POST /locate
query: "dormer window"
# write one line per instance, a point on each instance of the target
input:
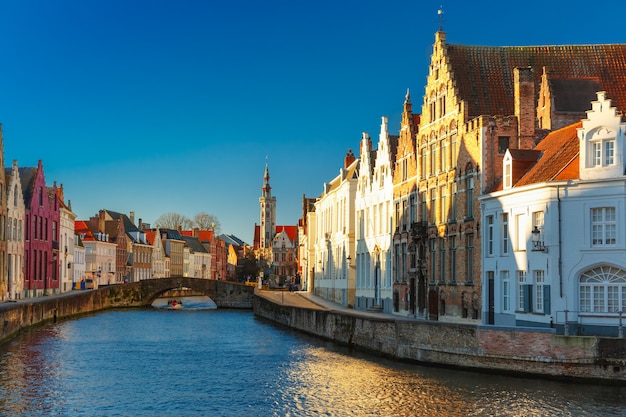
(507, 167)
(602, 152)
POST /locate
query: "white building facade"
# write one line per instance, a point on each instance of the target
(334, 279)
(555, 237)
(373, 204)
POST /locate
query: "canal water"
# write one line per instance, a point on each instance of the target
(160, 362)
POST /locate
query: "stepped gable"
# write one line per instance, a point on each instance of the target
(27, 178)
(484, 74)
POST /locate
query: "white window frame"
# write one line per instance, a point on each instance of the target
(602, 152)
(602, 290)
(539, 278)
(490, 236)
(505, 233)
(521, 283)
(603, 226)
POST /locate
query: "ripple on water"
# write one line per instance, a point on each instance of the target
(227, 363)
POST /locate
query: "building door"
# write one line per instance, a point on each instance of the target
(433, 305)
(412, 296)
(421, 294)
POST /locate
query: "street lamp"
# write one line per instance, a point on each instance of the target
(538, 244)
(349, 259)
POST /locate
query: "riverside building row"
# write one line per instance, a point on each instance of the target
(45, 249)
(502, 202)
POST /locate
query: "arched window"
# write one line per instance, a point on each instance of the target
(603, 290)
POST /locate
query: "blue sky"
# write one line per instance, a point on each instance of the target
(173, 106)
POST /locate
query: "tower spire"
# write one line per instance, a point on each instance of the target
(267, 211)
(266, 178)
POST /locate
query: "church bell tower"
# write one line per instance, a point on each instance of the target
(268, 212)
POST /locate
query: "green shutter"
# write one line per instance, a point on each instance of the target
(528, 295)
(546, 299)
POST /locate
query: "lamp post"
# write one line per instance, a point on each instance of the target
(538, 244)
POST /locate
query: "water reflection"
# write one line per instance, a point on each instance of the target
(228, 363)
(187, 303)
(332, 378)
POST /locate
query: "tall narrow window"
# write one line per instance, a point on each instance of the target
(443, 196)
(433, 206)
(442, 106)
(433, 158)
(506, 291)
(396, 275)
(505, 233)
(469, 193)
(539, 291)
(453, 153)
(522, 291)
(597, 154)
(452, 259)
(442, 260)
(609, 152)
(405, 169)
(507, 175)
(424, 213)
(412, 207)
(603, 226)
(433, 259)
(397, 217)
(489, 235)
(453, 195)
(442, 153)
(445, 151)
(469, 249)
(403, 272)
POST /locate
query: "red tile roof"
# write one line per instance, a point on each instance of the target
(81, 227)
(150, 234)
(484, 74)
(559, 157)
(292, 232)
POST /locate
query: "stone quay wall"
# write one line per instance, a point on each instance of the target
(16, 316)
(482, 348)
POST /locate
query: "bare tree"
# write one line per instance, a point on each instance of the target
(205, 221)
(173, 220)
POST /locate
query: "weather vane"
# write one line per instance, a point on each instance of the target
(440, 13)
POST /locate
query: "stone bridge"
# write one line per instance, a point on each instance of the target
(28, 312)
(224, 293)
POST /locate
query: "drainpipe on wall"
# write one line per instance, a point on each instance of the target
(558, 213)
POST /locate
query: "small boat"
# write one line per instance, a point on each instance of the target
(175, 304)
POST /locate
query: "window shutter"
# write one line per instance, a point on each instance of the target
(546, 299)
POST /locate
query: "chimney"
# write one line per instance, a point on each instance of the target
(349, 159)
(101, 221)
(525, 106)
(132, 217)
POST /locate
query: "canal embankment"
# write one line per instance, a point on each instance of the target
(19, 315)
(523, 351)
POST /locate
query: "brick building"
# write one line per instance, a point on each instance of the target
(41, 233)
(479, 102)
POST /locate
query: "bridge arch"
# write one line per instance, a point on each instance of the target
(224, 293)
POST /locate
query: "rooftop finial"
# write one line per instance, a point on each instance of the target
(440, 13)
(408, 95)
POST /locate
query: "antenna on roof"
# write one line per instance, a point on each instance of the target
(440, 13)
